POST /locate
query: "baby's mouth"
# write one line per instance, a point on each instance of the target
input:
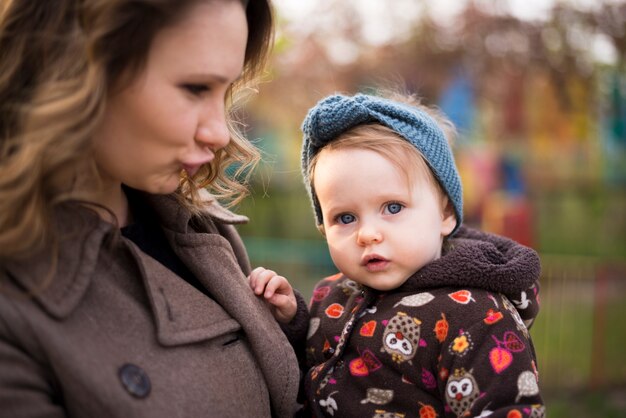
(375, 262)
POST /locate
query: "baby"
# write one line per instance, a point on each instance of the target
(417, 322)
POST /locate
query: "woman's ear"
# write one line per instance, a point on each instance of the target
(320, 228)
(448, 222)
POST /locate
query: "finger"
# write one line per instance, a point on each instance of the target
(278, 300)
(276, 284)
(257, 271)
(258, 278)
(263, 278)
(253, 277)
(285, 307)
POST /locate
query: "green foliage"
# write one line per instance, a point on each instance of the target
(602, 404)
(579, 335)
(582, 222)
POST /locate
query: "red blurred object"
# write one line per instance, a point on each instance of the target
(510, 216)
(517, 222)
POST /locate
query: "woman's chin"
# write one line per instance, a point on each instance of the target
(165, 187)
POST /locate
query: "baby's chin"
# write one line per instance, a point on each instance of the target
(381, 284)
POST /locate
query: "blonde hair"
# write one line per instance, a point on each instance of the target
(390, 145)
(58, 62)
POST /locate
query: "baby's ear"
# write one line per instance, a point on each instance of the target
(320, 228)
(449, 218)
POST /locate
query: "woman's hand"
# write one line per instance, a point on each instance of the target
(276, 291)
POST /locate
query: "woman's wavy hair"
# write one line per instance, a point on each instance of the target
(58, 62)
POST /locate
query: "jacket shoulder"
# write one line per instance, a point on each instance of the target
(216, 211)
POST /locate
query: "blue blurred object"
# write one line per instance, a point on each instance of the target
(513, 180)
(457, 101)
(618, 109)
(613, 128)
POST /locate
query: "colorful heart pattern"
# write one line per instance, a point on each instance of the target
(320, 293)
(368, 329)
(503, 356)
(500, 359)
(358, 367)
(441, 328)
(493, 317)
(334, 311)
(364, 365)
(462, 296)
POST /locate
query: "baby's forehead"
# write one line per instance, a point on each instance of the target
(408, 161)
(355, 164)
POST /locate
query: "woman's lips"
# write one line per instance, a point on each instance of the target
(193, 163)
(192, 168)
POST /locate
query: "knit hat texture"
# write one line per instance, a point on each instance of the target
(336, 114)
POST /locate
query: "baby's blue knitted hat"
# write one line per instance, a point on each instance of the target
(336, 114)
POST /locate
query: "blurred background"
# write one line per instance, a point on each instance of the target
(537, 89)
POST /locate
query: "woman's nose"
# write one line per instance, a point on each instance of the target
(212, 131)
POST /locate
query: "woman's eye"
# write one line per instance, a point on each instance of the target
(196, 89)
(346, 218)
(394, 208)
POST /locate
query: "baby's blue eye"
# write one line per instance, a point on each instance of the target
(394, 208)
(346, 218)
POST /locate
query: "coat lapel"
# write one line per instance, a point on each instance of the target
(182, 314)
(58, 277)
(219, 264)
(210, 257)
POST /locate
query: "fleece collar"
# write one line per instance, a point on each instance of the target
(478, 259)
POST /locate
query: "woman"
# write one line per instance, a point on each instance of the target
(123, 288)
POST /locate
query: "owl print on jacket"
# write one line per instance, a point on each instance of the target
(349, 287)
(401, 337)
(461, 391)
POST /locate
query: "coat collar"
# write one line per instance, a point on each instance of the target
(176, 217)
(479, 259)
(476, 259)
(58, 276)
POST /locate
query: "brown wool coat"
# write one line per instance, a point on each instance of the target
(117, 334)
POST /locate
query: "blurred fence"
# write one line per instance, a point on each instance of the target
(579, 336)
(580, 333)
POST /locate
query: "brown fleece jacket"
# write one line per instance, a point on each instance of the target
(451, 341)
